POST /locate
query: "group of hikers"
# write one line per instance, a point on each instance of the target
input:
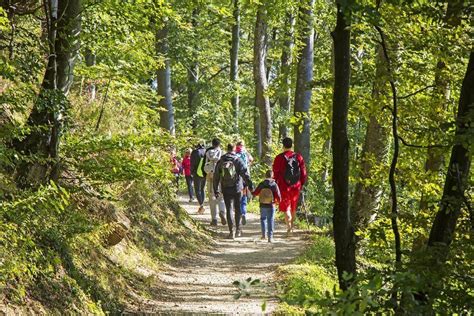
(229, 185)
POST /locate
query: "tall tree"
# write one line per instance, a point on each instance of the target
(259, 72)
(304, 78)
(343, 230)
(435, 157)
(285, 73)
(193, 76)
(442, 231)
(234, 62)
(47, 116)
(434, 160)
(163, 75)
(367, 193)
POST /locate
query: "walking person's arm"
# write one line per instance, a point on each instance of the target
(276, 194)
(204, 163)
(278, 169)
(216, 178)
(244, 173)
(304, 174)
(258, 189)
(194, 161)
(249, 157)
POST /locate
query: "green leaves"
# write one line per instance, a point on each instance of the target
(247, 287)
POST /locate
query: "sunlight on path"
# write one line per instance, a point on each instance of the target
(203, 284)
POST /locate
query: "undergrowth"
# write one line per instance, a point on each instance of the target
(55, 258)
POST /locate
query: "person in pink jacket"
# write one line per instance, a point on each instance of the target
(186, 164)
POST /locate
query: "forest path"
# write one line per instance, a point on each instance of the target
(203, 284)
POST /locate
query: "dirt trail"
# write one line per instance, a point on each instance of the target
(203, 284)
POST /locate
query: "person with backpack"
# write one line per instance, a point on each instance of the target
(197, 162)
(212, 156)
(290, 175)
(247, 159)
(269, 194)
(228, 180)
(186, 164)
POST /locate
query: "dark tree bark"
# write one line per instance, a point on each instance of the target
(367, 196)
(259, 72)
(193, 78)
(164, 80)
(90, 61)
(286, 59)
(343, 230)
(304, 78)
(46, 118)
(396, 150)
(444, 225)
(234, 63)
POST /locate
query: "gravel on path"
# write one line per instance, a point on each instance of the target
(203, 284)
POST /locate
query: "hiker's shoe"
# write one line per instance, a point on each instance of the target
(191, 200)
(231, 236)
(223, 220)
(270, 239)
(239, 232)
(288, 232)
(263, 238)
(200, 210)
(214, 222)
(244, 220)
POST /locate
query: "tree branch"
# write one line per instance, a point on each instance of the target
(416, 92)
(404, 142)
(393, 165)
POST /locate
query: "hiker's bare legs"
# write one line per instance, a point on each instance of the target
(288, 220)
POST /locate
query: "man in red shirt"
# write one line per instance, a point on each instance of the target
(290, 175)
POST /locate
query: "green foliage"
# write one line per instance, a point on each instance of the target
(34, 226)
(312, 276)
(112, 147)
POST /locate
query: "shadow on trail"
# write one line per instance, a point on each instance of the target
(202, 284)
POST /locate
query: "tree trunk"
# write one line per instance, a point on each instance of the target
(367, 194)
(91, 61)
(164, 80)
(286, 58)
(343, 229)
(258, 132)
(325, 154)
(193, 79)
(442, 231)
(269, 61)
(304, 80)
(234, 63)
(46, 118)
(259, 72)
(435, 159)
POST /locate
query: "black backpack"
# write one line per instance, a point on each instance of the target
(292, 171)
(229, 176)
